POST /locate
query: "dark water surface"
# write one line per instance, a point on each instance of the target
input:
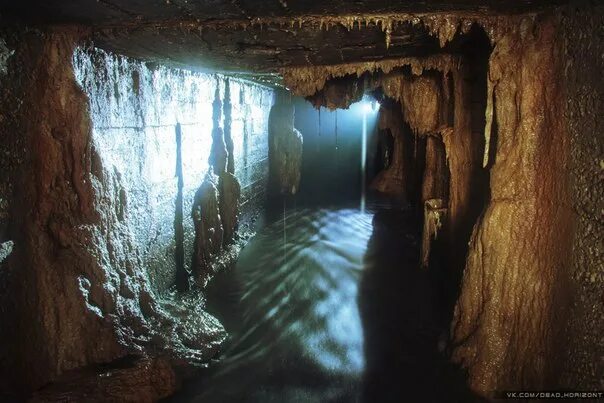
(330, 306)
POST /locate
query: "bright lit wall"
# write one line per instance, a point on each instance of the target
(134, 108)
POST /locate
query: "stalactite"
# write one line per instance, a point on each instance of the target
(308, 80)
(420, 99)
(435, 183)
(230, 192)
(489, 123)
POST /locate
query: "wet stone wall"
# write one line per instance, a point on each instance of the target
(583, 46)
(135, 108)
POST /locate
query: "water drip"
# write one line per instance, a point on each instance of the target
(284, 235)
(336, 132)
(319, 121)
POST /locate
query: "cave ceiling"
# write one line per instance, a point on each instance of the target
(254, 37)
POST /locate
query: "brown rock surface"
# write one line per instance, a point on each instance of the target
(585, 102)
(395, 179)
(66, 291)
(78, 292)
(129, 380)
(420, 99)
(435, 184)
(508, 316)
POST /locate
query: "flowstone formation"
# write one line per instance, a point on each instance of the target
(508, 318)
(285, 149)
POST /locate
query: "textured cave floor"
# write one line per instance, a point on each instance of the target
(330, 305)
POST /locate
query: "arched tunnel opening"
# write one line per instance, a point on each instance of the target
(323, 202)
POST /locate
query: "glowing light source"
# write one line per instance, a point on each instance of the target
(375, 105)
(370, 106)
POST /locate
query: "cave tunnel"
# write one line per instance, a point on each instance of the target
(312, 201)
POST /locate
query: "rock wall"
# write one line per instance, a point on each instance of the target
(582, 29)
(89, 146)
(62, 291)
(135, 107)
(512, 302)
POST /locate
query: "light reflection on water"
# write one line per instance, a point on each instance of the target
(308, 294)
(337, 310)
(297, 316)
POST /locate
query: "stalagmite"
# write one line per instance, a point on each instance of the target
(230, 192)
(209, 232)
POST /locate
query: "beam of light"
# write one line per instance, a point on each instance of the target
(364, 157)
(369, 107)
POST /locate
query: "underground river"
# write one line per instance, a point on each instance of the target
(330, 305)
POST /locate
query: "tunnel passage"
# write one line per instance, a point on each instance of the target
(430, 143)
(357, 305)
(173, 207)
